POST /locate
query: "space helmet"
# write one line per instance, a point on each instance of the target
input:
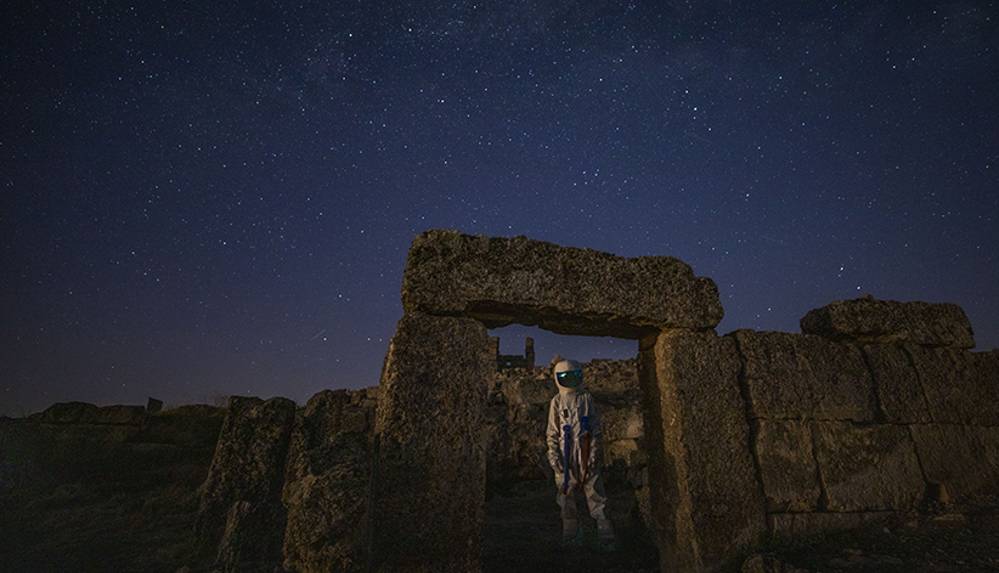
(568, 375)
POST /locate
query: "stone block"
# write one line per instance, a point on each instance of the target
(621, 422)
(867, 319)
(986, 442)
(325, 488)
(248, 543)
(248, 466)
(707, 503)
(570, 290)
(521, 390)
(787, 465)
(625, 451)
(867, 467)
(802, 376)
(956, 457)
(614, 381)
(899, 392)
(429, 464)
(961, 387)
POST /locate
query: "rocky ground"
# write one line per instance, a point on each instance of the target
(523, 529)
(92, 502)
(138, 518)
(945, 540)
(523, 533)
(114, 497)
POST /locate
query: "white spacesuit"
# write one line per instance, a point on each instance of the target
(573, 428)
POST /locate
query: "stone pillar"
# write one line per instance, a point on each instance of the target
(428, 479)
(707, 502)
(494, 346)
(529, 351)
(240, 510)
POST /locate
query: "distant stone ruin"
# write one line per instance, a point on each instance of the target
(876, 409)
(525, 360)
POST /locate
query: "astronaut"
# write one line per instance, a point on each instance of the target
(573, 437)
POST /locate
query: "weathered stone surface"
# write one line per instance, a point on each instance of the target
(987, 447)
(570, 290)
(248, 544)
(707, 503)
(248, 467)
(326, 485)
(900, 395)
(621, 422)
(787, 465)
(792, 525)
(867, 468)
(523, 387)
(429, 466)
(961, 387)
(955, 457)
(614, 381)
(867, 319)
(802, 376)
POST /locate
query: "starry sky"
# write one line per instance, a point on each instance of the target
(214, 198)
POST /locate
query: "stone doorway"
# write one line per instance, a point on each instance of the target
(427, 503)
(522, 526)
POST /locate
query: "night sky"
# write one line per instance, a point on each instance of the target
(203, 199)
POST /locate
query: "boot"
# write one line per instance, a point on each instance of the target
(572, 535)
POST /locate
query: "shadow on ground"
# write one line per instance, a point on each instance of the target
(523, 533)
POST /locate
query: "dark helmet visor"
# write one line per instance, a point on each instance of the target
(569, 378)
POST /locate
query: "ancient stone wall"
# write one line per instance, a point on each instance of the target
(881, 411)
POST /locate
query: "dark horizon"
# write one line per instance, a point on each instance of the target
(219, 200)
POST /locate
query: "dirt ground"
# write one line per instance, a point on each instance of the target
(949, 540)
(523, 533)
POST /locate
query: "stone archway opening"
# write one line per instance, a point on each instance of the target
(429, 466)
(522, 524)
